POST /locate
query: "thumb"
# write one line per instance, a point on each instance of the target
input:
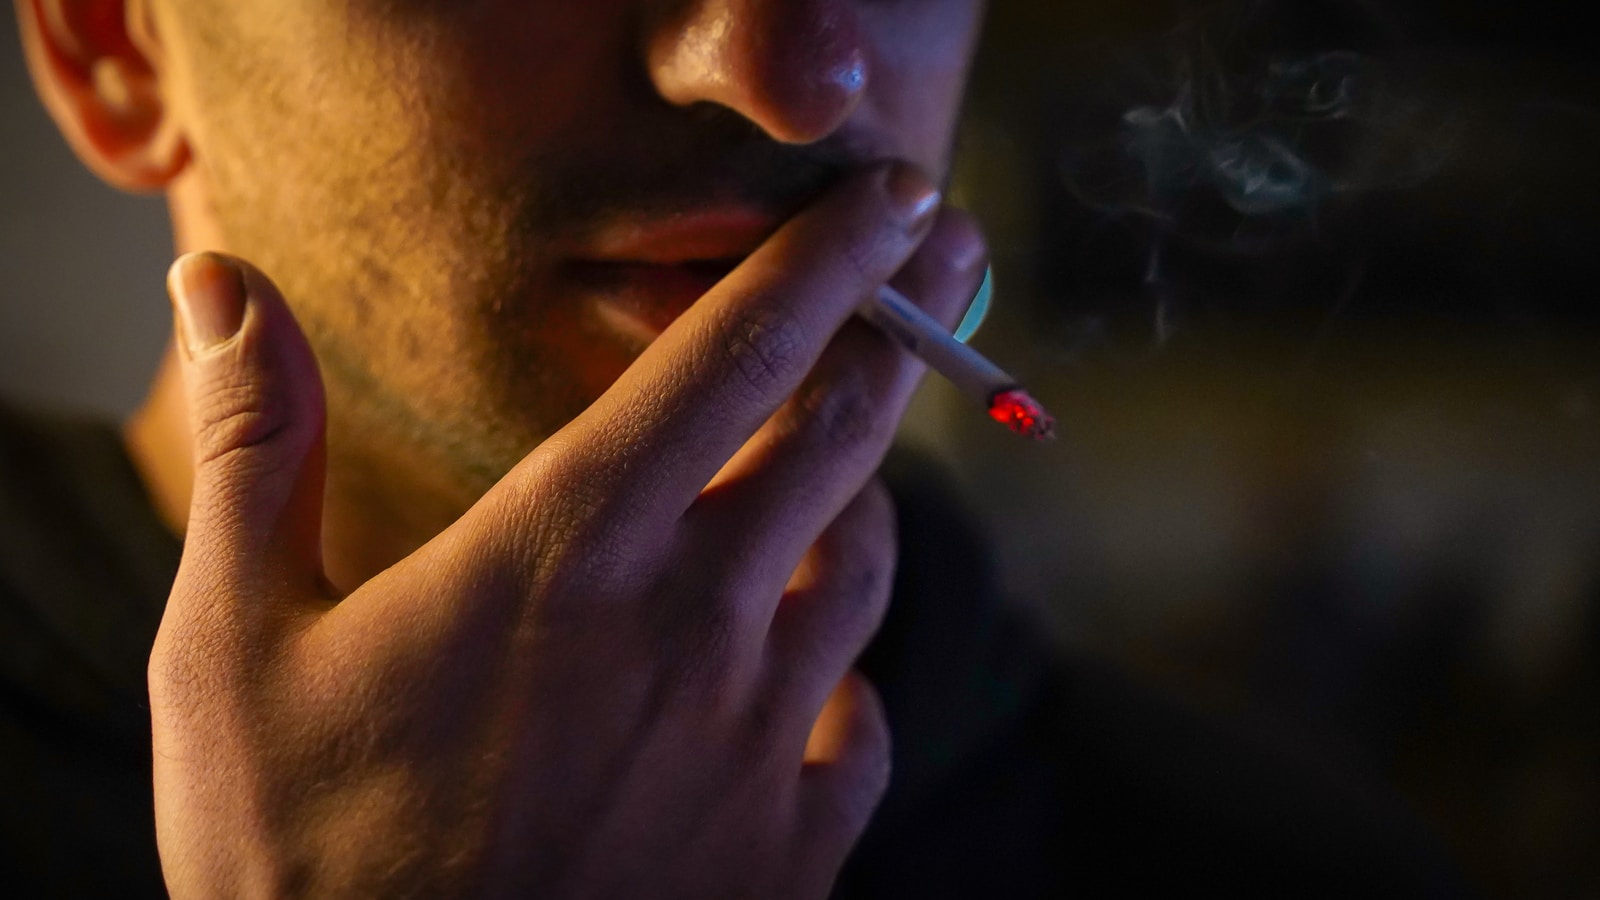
(256, 419)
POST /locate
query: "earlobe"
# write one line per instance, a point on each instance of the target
(95, 64)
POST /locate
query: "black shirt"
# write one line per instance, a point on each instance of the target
(85, 568)
(1017, 772)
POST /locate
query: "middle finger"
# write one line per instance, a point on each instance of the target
(800, 469)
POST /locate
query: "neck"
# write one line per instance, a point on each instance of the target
(157, 439)
(375, 511)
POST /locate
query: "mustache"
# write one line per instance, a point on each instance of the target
(708, 156)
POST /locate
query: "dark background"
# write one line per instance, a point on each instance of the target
(1332, 467)
(83, 311)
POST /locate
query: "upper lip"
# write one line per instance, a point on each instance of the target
(697, 236)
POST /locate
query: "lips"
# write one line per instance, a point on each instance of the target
(643, 299)
(645, 273)
(700, 235)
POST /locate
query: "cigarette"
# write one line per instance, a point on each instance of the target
(967, 369)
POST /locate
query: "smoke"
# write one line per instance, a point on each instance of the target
(1243, 137)
(1255, 171)
(1281, 142)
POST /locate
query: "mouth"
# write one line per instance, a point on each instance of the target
(641, 300)
(644, 274)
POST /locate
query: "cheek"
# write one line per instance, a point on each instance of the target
(923, 54)
(287, 110)
(519, 76)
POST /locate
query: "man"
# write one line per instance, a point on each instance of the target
(531, 530)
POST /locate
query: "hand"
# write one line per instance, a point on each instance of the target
(624, 672)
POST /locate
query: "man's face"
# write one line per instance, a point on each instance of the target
(482, 210)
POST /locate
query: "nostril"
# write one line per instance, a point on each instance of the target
(808, 91)
(795, 69)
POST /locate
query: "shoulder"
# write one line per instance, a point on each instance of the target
(84, 562)
(82, 578)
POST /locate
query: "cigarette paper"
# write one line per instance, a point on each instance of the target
(922, 335)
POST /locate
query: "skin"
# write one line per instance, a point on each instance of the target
(477, 591)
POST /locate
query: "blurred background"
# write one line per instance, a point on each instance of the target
(1310, 287)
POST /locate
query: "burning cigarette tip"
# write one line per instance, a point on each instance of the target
(1019, 412)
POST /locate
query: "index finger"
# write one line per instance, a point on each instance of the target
(699, 392)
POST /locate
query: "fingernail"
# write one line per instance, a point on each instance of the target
(915, 197)
(210, 296)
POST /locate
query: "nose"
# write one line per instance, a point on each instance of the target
(795, 68)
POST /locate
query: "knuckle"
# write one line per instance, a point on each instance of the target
(569, 574)
(242, 427)
(870, 554)
(554, 522)
(873, 525)
(848, 416)
(235, 417)
(865, 569)
(872, 577)
(848, 809)
(876, 507)
(699, 665)
(766, 347)
(859, 602)
(862, 256)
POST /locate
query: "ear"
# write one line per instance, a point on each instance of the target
(97, 66)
